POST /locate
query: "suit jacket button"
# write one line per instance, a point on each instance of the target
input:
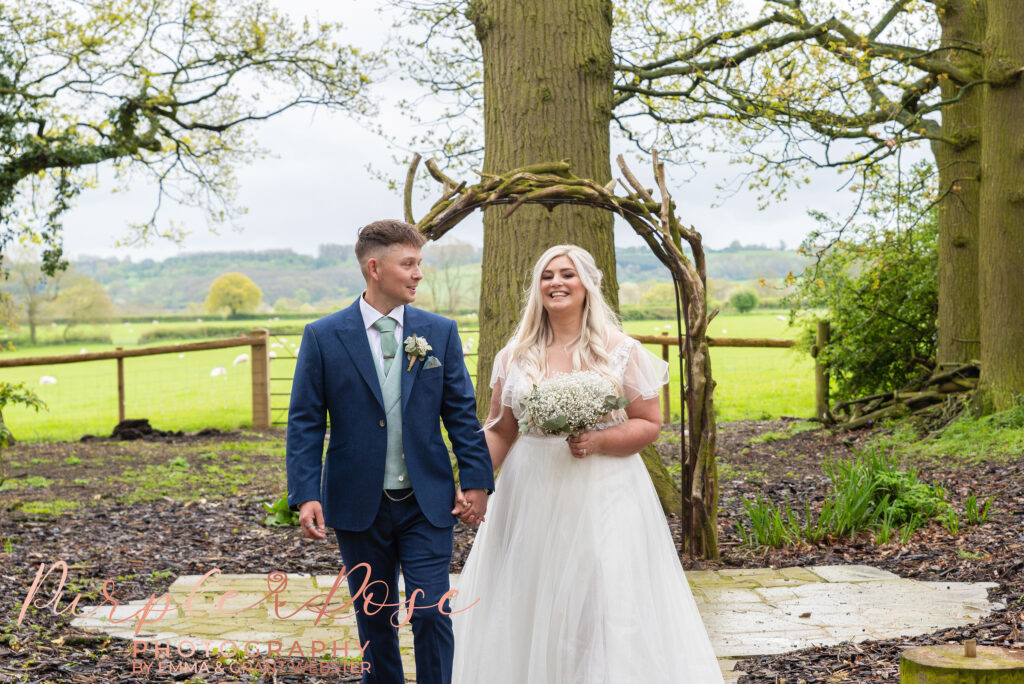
(382, 423)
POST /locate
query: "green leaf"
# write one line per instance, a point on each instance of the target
(555, 424)
(282, 515)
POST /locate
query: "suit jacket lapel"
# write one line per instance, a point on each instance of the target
(414, 324)
(353, 337)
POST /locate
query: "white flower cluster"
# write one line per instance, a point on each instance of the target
(569, 404)
(417, 346)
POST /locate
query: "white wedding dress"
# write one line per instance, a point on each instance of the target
(574, 573)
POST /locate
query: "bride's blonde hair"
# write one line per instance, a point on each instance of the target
(533, 335)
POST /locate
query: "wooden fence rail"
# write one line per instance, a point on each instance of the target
(256, 340)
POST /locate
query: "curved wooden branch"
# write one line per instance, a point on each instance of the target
(552, 183)
(410, 177)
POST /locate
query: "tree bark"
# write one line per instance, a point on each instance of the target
(700, 499)
(1001, 243)
(959, 167)
(547, 96)
(671, 499)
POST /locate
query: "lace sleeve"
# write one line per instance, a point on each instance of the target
(500, 369)
(644, 373)
(500, 373)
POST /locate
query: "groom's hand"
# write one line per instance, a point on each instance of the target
(473, 514)
(311, 520)
(462, 505)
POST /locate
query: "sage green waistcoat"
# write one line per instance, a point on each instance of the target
(396, 476)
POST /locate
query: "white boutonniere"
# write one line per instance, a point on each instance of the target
(416, 347)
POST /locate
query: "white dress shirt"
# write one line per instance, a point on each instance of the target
(370, 316)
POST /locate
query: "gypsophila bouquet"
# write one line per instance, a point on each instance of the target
(569, 404)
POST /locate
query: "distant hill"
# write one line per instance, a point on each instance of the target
(333, 274)
(174, 282)
(638, 264)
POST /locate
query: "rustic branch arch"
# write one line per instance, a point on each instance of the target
(552, 183)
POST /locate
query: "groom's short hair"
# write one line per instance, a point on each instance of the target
(376, 238)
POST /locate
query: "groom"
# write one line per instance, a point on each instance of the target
(386, 483)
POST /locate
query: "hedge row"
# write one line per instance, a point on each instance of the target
(192, 332)
(49, 337)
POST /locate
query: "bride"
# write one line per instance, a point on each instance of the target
(574, 578)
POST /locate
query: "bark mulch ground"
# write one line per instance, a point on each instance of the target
(142, 513)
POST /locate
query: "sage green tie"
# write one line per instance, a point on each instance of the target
(388, 343)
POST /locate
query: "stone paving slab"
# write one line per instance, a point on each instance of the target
(747, 612)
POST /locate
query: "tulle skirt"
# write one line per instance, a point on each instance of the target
(574, 579)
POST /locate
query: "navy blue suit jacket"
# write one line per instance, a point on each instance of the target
(335, 375)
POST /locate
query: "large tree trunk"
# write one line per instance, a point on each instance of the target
(547, 96)
(1001, 250)
(548, 70)
(959, 165)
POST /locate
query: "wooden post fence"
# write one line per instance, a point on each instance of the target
(260, 379)
(821, 407)
(259, 352)
(120, 387)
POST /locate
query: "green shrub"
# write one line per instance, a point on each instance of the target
(14, 394)
(49, 336)
(189, 318)
(877, 283)
(84, 336)
(873, 474)
(868, 493)
(192, 332)
(743, 300)
(634, 312)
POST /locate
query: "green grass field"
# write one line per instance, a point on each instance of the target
(750, 382)
(177, 392)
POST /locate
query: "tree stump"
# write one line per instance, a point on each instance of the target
(950, 665)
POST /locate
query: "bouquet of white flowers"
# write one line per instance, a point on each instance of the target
(569, 404)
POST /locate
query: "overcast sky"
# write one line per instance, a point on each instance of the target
(315, 187)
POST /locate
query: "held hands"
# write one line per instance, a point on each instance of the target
(311, 520)
(470, 505)
(586, 443)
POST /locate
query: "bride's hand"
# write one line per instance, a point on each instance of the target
(461, 505)
(585, 444)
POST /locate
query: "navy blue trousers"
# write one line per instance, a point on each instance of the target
(401, 537)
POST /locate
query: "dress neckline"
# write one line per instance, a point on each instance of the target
(611, 354)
